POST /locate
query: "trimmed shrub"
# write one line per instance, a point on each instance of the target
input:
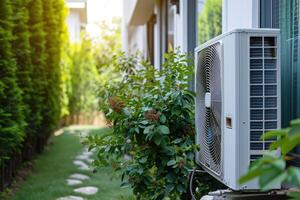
(39, 78)
(21, 49)
(11, 117)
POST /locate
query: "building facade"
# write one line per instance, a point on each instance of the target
(154, 27)
(77, 18)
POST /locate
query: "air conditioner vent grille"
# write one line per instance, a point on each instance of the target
(210, 134)
(263, 92)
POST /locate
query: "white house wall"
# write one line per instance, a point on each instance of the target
(240, 14)
(135, 36)
(73, 22)
(137, 40)
(157, 33)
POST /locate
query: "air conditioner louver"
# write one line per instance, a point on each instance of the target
(263, 92)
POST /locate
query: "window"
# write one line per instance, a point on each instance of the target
(269, 13)
(209, 20)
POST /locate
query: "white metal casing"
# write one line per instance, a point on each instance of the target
(235, 83)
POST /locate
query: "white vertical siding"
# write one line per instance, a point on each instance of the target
(240, 14)
(73, 22)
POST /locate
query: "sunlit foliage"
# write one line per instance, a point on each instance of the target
(210, 21)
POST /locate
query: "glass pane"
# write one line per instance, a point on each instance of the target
(209, 20)
(269, 13)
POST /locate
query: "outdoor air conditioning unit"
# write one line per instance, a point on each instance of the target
(237, 100)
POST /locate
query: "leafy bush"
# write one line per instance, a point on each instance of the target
(272, 169)
(83, 79)
(109, 44)
(152, 113)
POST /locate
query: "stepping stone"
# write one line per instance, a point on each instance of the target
(85, 158)
(82, 165)
(87, 153)
(79, 177)
(72, 182)
(82, 157)
(90, 190)
(70, 198)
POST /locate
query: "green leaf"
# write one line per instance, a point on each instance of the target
(252, 174)
(127, 112)
(170, 187)
(294, 176)
(148, 129)
(295, 130)
(163, 119)
(180, 188)
(177, 141)
(158, 139)
(269, 180)
(170, 177)
(171, 162)
(275, 145)
(290, 143)
(278, 163)
(295, 122)
(137, 130)
(143, 160)
(144, 122)
(163, 129)
(176, 111)
(125, 185)
(276, 133)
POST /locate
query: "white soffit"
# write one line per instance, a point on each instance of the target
(142, 11)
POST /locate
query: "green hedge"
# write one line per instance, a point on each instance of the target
(11, 115)
(54, 28)
(31, 37)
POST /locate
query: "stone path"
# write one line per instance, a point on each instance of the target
(82, 161)
(72, 182)
(79, 177)
(90, 190)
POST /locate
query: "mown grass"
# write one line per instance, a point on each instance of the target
(55, 165)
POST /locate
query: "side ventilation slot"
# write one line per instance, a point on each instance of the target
(263, 92)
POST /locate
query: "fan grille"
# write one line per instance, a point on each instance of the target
(209, 131)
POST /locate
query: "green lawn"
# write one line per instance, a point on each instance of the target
(53, 167)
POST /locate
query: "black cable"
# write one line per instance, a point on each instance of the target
(191, 184)
(191, 181)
